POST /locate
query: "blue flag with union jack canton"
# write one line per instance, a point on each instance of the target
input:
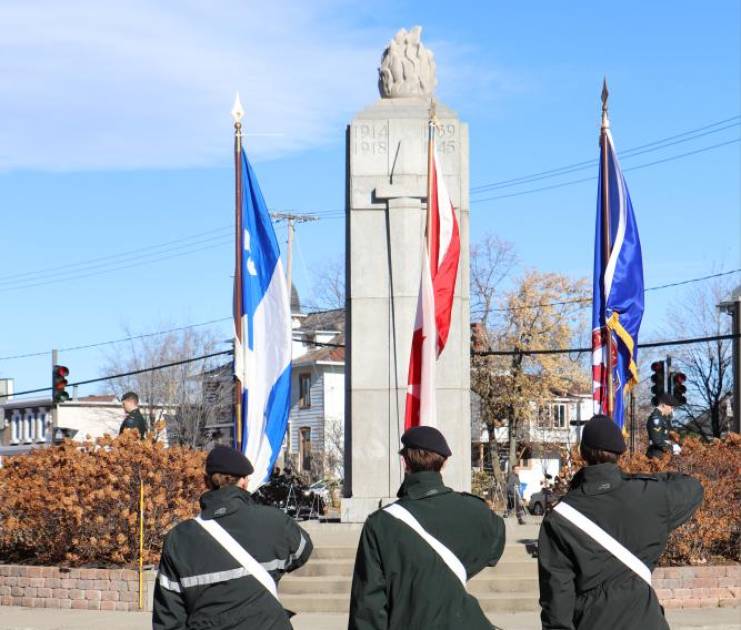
(617, 307)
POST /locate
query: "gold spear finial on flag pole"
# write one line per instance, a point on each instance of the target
(605, 96)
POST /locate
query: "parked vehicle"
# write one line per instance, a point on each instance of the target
(542, 502)
(290, 494)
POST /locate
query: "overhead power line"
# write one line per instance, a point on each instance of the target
(225, 319)
(593, 178)
(586, 301)
(655, 344)
(111, 377)
(627, 153)
(149, 250)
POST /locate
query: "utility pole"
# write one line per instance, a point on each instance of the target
(732, 307)
(54, 415)
(668, 388)
(291, 219)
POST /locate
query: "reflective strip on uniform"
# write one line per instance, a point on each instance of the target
(279, 565)
(601, 537)
(239, 553)
(212, 578)
(170, 585)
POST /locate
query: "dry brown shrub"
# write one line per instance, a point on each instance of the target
(714, 532)
(77, 504)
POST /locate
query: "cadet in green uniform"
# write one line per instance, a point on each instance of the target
(134, 418)
(659, 424)
(219, 571)
(585, 586)
(415, 555)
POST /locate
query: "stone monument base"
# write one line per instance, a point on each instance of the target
(357, 509)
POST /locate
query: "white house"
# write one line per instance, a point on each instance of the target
(314, 440)
(27, 423)
(546, 432)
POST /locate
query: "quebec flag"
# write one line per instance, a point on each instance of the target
(262, 347)
(617, 306)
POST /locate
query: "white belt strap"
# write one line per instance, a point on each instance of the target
(239, 553)
(447, 556)
(599, 535)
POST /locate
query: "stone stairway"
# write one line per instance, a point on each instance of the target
(323, 584)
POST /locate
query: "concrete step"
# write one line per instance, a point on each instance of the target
(324, 568)
(344, 568)
(329, 585)
(491, 603)
(479, 586)
(327, 552)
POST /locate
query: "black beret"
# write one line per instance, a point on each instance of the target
(227, 460)
(603, 434)
(668, 399)
(427, 439)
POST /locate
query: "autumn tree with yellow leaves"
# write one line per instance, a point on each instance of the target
(542, 311)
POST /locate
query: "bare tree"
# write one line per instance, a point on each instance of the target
(328, 291)
(708, 365)
(174, 394)
(492, 261)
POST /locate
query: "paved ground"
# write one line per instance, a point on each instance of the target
(12, 618)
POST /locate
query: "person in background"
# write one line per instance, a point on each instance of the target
(134, 418)
(659, 425)
(514, 496)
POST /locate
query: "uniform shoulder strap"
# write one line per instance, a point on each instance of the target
(447, 556)
(239, 553)
(600, 536)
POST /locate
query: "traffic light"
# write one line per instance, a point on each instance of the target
(657, 378)
(59, 383)
(678, 388)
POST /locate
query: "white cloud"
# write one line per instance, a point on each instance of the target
(138, 84)
(86, 84)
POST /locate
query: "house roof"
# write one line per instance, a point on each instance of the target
(333, 320)
(327, 353)
(100, 398)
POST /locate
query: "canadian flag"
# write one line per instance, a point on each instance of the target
(436, 288)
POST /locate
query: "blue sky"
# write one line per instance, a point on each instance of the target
(115, 136)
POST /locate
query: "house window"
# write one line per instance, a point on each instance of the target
(41, 425)
(304, 448)
(28, 427)
(304, 391)
(558, 413)
(552, 416)
(15, 427)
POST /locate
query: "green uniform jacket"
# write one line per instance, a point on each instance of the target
(658, 427)
(582, 585)
(400, 582)
(134, 420)
(200, 586)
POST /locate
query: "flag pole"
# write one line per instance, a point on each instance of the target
(430, 165)
(237, 113)
(605, 197)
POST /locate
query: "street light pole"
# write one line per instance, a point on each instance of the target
(732, 307)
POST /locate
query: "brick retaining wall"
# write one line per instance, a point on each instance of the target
(118, 589)
(86, 589)
(698, 587)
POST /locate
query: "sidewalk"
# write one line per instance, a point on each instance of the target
(12, 618)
